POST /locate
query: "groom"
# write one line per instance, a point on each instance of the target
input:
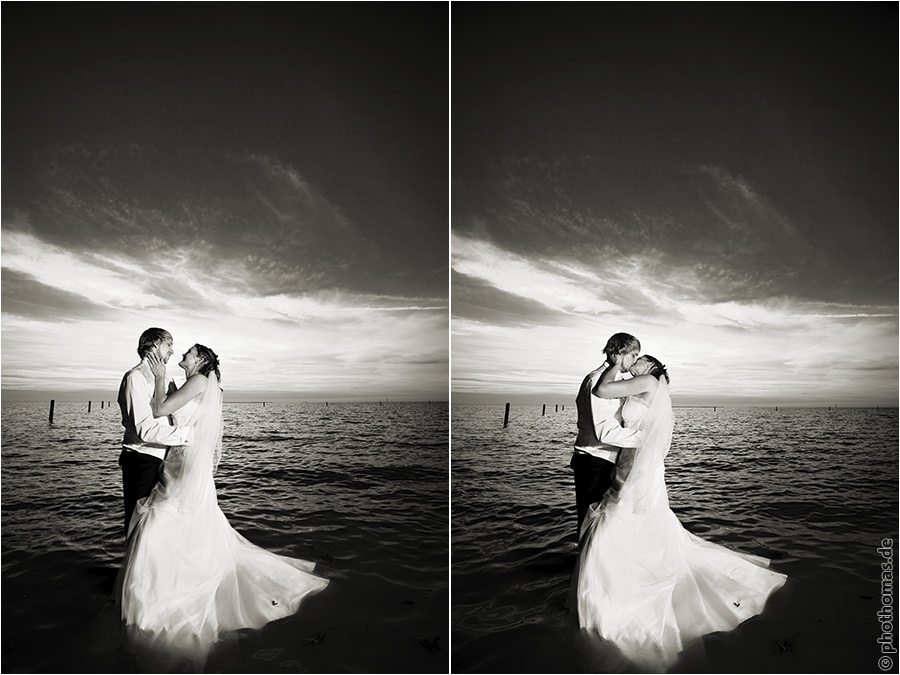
(146, 437)
(600, 430)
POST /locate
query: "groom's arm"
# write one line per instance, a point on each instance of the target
(608, 429)
(150, 429)
(613, 433)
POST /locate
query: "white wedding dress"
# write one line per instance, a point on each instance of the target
(645, 583)
(188, 577)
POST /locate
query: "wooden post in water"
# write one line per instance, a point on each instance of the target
(52, 403)
(506, 416)
(543, 410)
(557, 408)
(89, 406)
(101, 404)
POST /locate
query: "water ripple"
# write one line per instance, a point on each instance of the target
(359, 488)
(814, 490)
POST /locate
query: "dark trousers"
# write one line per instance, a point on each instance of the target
(140, 473)
(593, 477)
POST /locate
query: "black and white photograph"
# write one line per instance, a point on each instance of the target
(674, 337)
(449, 337)
(225, 337)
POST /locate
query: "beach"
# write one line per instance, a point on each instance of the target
(813, 490)
(358, 488)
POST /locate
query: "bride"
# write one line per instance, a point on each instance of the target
(187, 576)
(645, 583)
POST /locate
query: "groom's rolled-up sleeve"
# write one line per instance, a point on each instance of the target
(150, 429)
(613, 433)
(608, 428)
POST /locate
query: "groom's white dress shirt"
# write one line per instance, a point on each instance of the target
(144, 432)
(600, 430)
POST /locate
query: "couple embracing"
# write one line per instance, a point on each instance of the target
(642, 581)
(187, 577)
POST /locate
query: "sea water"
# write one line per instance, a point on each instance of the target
(814, 490)
(359, 488)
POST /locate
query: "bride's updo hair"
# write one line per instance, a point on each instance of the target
(210, 361)
(658, 369)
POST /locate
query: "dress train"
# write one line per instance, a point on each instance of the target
(188, 578)
(645, 583)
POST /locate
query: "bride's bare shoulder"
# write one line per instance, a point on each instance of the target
(649, 381)
(195, 384)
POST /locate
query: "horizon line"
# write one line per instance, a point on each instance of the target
(37, 396)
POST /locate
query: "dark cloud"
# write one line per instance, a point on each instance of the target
(148, 120)
(24, 296)
(736, 241)
(640, 128)
(702, 218)
(478, 301)
(253, 214)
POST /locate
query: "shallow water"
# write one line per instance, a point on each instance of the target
(361, 489)
(814, 490)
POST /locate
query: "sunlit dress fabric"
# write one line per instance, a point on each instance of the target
(646, 584)
(188, 577)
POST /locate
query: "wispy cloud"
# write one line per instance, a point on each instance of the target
(292, 344)
(735, 242)
(533, 278)
(111, 285)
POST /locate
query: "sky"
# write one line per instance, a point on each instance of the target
(719, 180)
(267, 179)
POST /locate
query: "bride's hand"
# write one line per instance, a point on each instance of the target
(157, 367)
